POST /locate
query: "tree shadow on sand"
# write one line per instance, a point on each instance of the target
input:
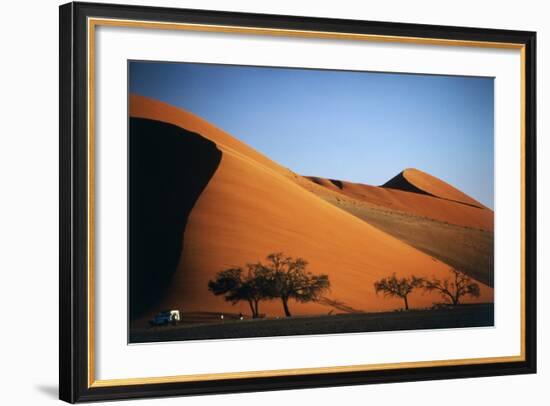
(338, 305)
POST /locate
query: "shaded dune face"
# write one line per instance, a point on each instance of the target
(169, 169)
(399, 182)
(252, 207)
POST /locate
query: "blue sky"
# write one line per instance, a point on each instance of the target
(357, 126)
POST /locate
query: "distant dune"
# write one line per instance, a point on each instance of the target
(251, 206)
(458, 234)
(465, 248)
(416, 203)
(414, 180)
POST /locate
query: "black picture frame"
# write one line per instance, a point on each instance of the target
(74, 383)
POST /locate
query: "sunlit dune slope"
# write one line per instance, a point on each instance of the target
(411, 202)
(457, 234)
(252, 207)
(414, 180)
(467, 249)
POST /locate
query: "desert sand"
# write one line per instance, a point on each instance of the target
(252, 206)
(458, 234)
(412, 179)
(419, 204)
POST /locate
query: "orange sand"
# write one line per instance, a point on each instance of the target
(252, 207)
(436, 187)
(414, 203)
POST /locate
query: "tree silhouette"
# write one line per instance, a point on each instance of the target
(460, 285)
(392, 286)
(236, 286)
(288, 279)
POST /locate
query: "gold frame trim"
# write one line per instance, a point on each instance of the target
(92, 23)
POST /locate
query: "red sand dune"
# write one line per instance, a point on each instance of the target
(465, 248)
(252, 207)
(412, 179)
(415, 203)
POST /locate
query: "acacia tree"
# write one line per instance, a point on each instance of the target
(395, 287)
(287, 278)
(237, 286)
(454, 289)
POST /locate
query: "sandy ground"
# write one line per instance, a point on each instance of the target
(478, 315)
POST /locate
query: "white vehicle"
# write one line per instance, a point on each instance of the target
(166, 317)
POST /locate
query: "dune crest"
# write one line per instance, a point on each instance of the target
(145, 107)
(416, 181)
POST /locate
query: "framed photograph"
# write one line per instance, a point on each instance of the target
(255, 202)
